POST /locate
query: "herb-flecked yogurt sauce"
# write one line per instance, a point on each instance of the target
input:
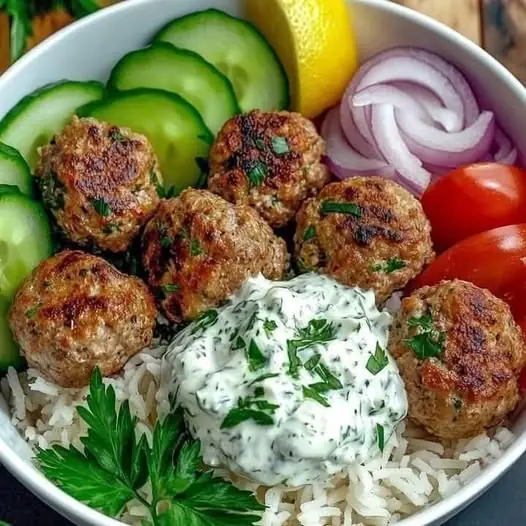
(289, 382)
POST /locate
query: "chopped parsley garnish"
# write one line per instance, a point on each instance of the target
(263, 377)
(205, 320)
(166, 240)
(195, 248)
(238, 343)
(52, 191)
(252, 321)
(312, 362)
(280, 146)
(262, 414)
(310, 233)
(335, 207)
(170, 288)
(377, 361)
(256, 359)
(328, 378)
(313, 392)
(159, 188)
(391, 265)
(317, 331)
(428, 342)
(116, 135)
(118, 465)
(380, 437)
(256, 175)
(269, 326)
(101, 206)
(294, 360)
(260, 143)
(32, 312)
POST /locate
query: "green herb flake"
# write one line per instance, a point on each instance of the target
(257, 174)
(117, 136)
(238, 415)
(238, 343)
(159, 188)
(259, 391)
(101, 206)
(313, 392)
(428, 342)
(334, 207)
(256, 359)
(457, 403)
(32, 312)
(377, 361)
(425, 322)
(309, 234)
(195, 248)
(390, 266)
(280, 146)
(263, 377)
(380, 437)
(170, 288)
(312, 362)
(118, 464)
(328, 378)
(269, 326)
(205, 320)
(294, 360)
(260, 144)
(52, 190)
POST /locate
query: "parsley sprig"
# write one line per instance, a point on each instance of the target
(428, 342)
(116, 466)
(377, 361)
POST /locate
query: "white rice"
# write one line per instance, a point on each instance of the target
(413, 471)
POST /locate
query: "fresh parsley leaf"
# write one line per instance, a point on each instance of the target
(170, 288)
(377, 361)
(238, 343)
(380, 438)
(424, 322)
(426, 345)
(260, 143)
(101, 207)
(256, 175)
(252, 321)
(280, 146)
(256, 359)
(334, 207)
(313, 392)
(205, 320)
(263, 377)
(269, 326)
(317, 331)
(294, 360)
(310, 233)
(195, 248)
(390, 266)
(328, 378)
(239, 414)
(312, 362)
(84, 479)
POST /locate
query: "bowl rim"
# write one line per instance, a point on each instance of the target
(73, 509)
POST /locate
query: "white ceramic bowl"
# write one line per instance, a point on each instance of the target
(88, 50)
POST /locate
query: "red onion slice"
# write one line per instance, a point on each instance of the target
(394, 149)
(438, 147)
(353, 135)
(342, 159)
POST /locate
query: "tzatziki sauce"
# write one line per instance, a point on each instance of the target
(290, 381)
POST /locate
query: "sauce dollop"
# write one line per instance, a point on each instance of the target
(290, 381)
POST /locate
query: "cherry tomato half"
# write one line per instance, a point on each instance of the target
(474, 199)
(494, 260)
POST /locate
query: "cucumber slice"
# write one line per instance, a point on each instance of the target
(177, 132)
(9, 353)
(14, 170)
(239, 50)
(180, 71)
(25, 240)
(39, 116)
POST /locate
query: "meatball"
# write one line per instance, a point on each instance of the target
(76, 312)
(459, 352)
(366, 232)
(270, 161)
(100, 183)
(198, 249)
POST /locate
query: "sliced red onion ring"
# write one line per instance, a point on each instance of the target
(342, 159)
(438, 147)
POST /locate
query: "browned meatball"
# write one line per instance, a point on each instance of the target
(459, 352)
(76, 312)
(366, 232)
(270, 161)
(100, 183)
(199, 249)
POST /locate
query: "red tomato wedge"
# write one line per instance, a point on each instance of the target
(494, 260)
(474, 199)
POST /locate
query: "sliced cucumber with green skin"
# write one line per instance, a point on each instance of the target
(14, 170)
(177, 132)
(9, 352)
(39, 116)
(239, 50)
(182, 72)
(25, 240)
